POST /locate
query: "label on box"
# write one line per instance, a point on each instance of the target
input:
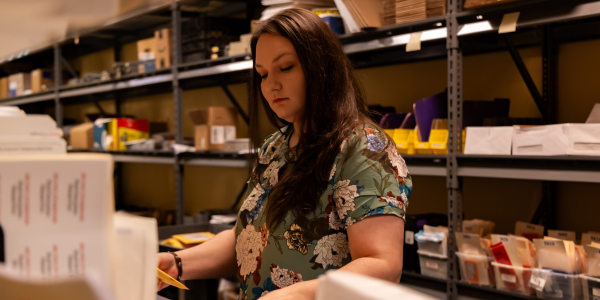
(509, 278)
(142, 56)
(399, 144)
(217, 134)
(503, 238)
(537, 282)
(12, 86)
(409, 237)
(222, 134)
(431, 264)
(596, 292)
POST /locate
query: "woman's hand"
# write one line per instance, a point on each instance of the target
(300, 291)
(166, 262)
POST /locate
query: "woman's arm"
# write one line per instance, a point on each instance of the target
(376, 248)
(212, 259)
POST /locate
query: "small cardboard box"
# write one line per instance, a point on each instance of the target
(41, 79)
(164, 44)
(146, 53)
(82, 136)
(3, 87)
(18, 84)
(214, 126)
(127, 130)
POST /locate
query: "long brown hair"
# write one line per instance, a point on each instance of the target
(334, 102)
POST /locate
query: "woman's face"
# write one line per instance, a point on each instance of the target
(283, 83)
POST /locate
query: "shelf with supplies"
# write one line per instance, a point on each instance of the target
(364, 48)
(218, 159)
(464, 288)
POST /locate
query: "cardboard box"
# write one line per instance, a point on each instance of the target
(126, 130)
(540, 140)
(477, 3)
(102, 134)
(146, 53)
(164, 44)
(41, 79)
(583, 139)
(3, 87)
(82, 136)
(18, 84)
(254, 24)
(214, 126)
(489, 140)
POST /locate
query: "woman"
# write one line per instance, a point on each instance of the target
(328, 190)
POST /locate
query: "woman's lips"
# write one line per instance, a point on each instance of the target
(278, 100)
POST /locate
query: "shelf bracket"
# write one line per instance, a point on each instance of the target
(67, 66)
(235, 103)
(514, 53)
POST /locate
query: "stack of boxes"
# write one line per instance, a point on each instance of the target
(155, 53)
(21, 84)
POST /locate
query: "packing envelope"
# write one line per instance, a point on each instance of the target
(584, 139)
(544, 140)
(342, 285)
(489, 140)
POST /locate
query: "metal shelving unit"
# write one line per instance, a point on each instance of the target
(541, 22)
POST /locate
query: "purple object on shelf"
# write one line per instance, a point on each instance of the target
(428, 109)
(392, 120)
(409, 122)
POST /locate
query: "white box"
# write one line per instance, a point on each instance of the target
(476, 269)
(433, 265)
(489, 140)
(544, 140)
(584, 139)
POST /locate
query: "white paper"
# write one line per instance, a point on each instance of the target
(583, 139)
(56, 213)
(489, 140)
(136, 238)
(540, 140)
(409, 237)
(341, 285)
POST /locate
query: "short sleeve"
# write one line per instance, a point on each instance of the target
(373, 179)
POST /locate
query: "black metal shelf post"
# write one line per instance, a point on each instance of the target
(454, 142)
(178, 109)
(57, 80)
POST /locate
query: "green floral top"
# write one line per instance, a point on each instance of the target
(374, 181)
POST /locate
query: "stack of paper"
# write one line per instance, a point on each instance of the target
(410, 10)
(57, 214)
(275, 6)
(436, 8)
(29, 134)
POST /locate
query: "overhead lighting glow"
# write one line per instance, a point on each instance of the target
(480, 17)
(20, 54)
(438, 24)
(10, 58)
(26, 52)
(475, 27)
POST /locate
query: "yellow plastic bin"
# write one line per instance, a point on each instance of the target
(438, 141)
(404, 139)
(421, 147)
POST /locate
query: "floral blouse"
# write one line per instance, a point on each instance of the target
(374, 181)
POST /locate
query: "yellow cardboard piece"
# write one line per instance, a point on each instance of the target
(164, 277)
(194, 238)
(509, 23)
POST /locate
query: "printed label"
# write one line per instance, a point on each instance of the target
(537, 282)
(503, 238)
(550, 243)
(509, 278)
(529, 226)
(431, 264)
(217, 134)
(437, 145)
(399, 144)
(230, 133)
(409, 237)
(466, 236)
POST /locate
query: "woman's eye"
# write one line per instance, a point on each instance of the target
(287, 69)
(264, 76)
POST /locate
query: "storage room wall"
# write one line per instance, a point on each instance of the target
(485, 77)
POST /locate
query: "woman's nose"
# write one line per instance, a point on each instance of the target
(273, 83)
